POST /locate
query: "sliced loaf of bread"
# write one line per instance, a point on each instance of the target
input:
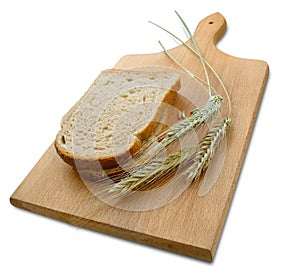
(111, 120)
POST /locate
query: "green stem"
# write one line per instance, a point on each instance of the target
(197, 50)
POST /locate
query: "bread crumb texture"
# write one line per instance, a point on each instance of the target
(117, 112)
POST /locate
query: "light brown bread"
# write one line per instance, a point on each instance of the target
(115, 115)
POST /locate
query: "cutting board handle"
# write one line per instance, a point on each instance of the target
(208, 32)
(212, 28)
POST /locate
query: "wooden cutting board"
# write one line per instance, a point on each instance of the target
(190, 224)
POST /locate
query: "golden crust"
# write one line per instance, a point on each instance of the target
(105, 162)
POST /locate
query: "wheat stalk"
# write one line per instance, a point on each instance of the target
(163, 167)
(194, 122)
(152, 171)
(207, 148)
(198, 117)
(197, 50)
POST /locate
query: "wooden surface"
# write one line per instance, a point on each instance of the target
(190, 224)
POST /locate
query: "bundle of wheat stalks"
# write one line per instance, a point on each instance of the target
(197, 157)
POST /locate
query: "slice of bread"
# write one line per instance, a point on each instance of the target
(115, 115)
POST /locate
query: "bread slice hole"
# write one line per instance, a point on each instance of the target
(63, 140)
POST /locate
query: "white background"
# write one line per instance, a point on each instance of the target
(51, 51)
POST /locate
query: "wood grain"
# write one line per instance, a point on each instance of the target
(189, 225)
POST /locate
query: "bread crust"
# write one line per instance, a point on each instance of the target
(111, 161)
